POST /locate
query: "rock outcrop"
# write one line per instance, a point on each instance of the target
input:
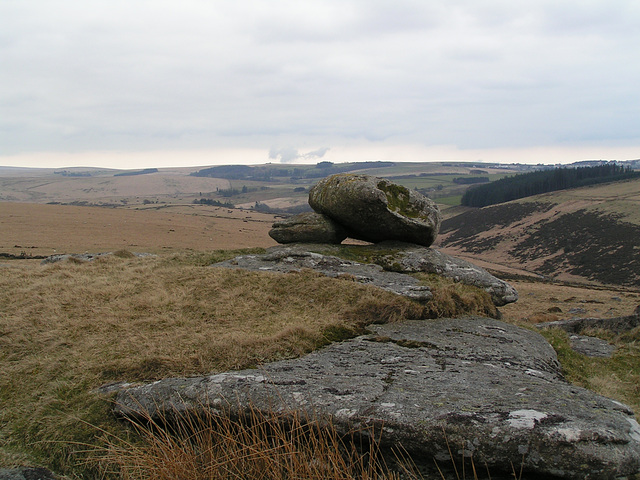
(408, 258)
(395, 258)
(375, 209)
(493, 391)
(90, 257)
(308, 227)
(284, 259)
(613, 324)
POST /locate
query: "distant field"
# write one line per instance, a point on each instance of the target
(47, 229)
(177, 185)
(105, 189)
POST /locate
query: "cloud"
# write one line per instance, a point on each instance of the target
(290, 155)
(148, 76)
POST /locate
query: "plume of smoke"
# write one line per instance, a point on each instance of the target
(290, 155)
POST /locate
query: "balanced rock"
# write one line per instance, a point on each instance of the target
(309, 227)
(374, 209)
(487, 389)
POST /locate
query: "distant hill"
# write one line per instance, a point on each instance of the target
(590, 234)
(543, 181)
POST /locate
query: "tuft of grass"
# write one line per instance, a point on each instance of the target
(253, 446)
(123, 254)
(454, 299)
(267, 446)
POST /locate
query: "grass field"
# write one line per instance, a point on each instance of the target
(68, 328)
(38, 229)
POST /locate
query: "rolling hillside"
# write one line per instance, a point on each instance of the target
(276, 186)
(585, 235)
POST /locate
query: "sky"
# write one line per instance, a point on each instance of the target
(158, 83)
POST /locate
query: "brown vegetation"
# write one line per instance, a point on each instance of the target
(587, 234)
(68, 328)
(47, 229)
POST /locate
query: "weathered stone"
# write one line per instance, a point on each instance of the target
(492, 390)
(408, 258)
(308, 227)
(26, 473)
(591, 346)
(375, 209)
(613, 324)
(89, 257)
(285, 259)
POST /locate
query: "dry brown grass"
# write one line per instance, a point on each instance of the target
(451, 299)
(255, 446)
(68, 328)
(47, 229)
(539, 301)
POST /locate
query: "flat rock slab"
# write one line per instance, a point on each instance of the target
(284, 259)
(614, 324)
(492, 388)
(591, 346)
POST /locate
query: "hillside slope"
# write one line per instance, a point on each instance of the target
(590, 234)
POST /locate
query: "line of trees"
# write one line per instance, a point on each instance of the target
(534, 183)
(268, 173)
(137, 172)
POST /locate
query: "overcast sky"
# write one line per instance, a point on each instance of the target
(131, 83)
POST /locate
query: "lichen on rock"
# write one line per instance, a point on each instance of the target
(375, 209)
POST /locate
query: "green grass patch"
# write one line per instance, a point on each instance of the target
(453, 200)
(617, 377)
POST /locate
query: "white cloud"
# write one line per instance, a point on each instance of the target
(290, 155)
(147, 76)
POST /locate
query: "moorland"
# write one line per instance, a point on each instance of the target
(69, 328)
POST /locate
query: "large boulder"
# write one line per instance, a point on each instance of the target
(375, 209)
(308, 227)
(484, 388)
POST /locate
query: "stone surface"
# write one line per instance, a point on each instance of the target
(284, 259)
(493, 389)
(408, 258)
(88, 257)
(26, 473)
(308, 227)
(395, 257)
(375, 209)
(591, 346)
(613, 324)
